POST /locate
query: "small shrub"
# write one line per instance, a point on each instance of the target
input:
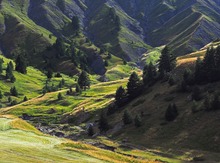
(91, 130)
(197, 93)
(59, 96)
(127, 119)
(171, 112)
(138, 121)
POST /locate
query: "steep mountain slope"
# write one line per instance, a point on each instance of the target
(184, 25)
(123, 28)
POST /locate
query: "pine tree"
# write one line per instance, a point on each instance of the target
(60, 47)
(127, 119)
(25, 98)
(9, 99)
(78, 89)
(120, 95)
(209, 64)
(171, 112)
(12, 78)
(149, 74)
(166, 62)
(11, 65)
(1, 65)
(188, 77)
(1, 95)
(217, 57)
(91, 130)
(49, 74)
(8, 71)
(199, 74)
(21, 65)
(138, 121)
(59, 96)
(103, 122)
(14, 91)
(133, 85)
(84, 80)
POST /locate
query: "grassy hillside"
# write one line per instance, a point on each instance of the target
(26, 144)
(70, 117)
(30, 84)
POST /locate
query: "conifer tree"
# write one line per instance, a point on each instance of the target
(21, 65)
(120, 95)
(8, 71)
(12, 78)
(84, 80)
(166, 62)
(91, 130)
(59, 96)
(217, 57)
(11, 65)
(171, 112)
(149, 74)
(133, 85)
(14, 91)
(127, 119)
(199, 74)
(78, 89)
(103, 122)
(1, 95)
(9, 99)
(25, 98)
(49, 74)
(209, 64)
(1, 65)
(138, 121)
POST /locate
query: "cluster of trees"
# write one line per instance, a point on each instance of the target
(150, 76)
(208, 69)
(122, 95)
(13, 92)
(127, 119)
(82, 84)
(134, 88)
(20, 66)
(52, 88)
